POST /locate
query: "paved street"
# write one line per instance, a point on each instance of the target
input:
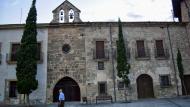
(174, 102)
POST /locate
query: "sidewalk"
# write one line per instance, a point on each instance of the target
(172, 102)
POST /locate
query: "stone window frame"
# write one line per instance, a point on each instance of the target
(69, 46)
(168, 84)
(7, 89)
(164, 46)
(147, 50)
(8, 57)
(106, 47)
(101, 67)
(120, 85)
(105, 83)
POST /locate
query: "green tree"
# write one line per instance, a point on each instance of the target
(123, 66)
(181, 70)
(27, 56)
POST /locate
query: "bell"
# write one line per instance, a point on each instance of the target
(71, 15)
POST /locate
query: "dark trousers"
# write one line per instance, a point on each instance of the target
(61, 103)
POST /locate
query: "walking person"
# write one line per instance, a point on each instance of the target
(61, 98)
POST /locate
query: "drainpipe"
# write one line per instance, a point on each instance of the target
(172, 54)
(112, 60)
(186, 5)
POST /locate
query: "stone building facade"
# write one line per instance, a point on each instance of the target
(80, 58)
(91, 62)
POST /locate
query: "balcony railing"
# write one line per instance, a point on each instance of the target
(162, 53)
(142, 54)
(102, 56)
(11, 58)
(128, 54)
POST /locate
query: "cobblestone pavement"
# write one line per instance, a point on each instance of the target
(172, 102)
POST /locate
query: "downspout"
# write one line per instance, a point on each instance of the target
(172, 54)
(112, 60)
(186, 5)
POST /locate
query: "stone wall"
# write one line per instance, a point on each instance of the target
(82, 39)
(71, 64)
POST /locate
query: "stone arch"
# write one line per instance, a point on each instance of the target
(61, 16)
(71, 15)
(70, 88)
(145, 86)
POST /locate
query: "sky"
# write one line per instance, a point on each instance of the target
(15, 11)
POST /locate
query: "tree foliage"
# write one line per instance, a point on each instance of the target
(180, 65)
(123, 66)
(27, 55)
(181, 71)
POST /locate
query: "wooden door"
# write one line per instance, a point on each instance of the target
(100, 49)
(145, 86)
(70, 89)
(187, 84)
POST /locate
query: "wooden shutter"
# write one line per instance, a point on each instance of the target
(100, 49)
(159, 48)
(141, 48)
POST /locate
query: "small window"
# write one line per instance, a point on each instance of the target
(121, 85)
(14, 49)
(66, 48)
(12, 89)
(164, 80)
(100, 65)
(102, 88)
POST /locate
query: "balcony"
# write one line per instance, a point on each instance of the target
(102, 56)
(162, 54)
(128, 55)
(142, 54)
(11, 58)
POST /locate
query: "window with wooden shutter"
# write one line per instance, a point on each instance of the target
(140, 48)
(12, 89)
(14, 49)
(100, 52)
(159, 48)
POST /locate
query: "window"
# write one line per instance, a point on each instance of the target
(164, 80)
(14, 49)
(159, 48)
(100, 65)
(66, 48)
(102, 88)
(12, 89)
(121, 85)
(140, 48)
(100, 49)
(16, 46)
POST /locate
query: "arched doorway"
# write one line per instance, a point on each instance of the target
(70, 89)
(145, 86)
